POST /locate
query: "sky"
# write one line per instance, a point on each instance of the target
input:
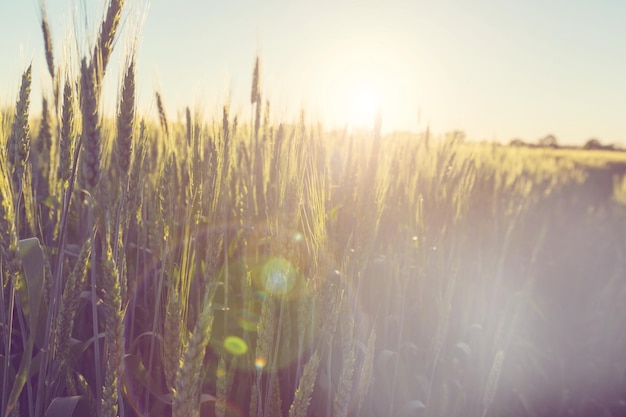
(494, 69)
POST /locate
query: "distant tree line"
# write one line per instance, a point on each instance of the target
(550, 141)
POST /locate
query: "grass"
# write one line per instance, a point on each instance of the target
(232, 269)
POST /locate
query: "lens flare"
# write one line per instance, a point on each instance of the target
(235, 345)
(260, 363)
(278, 276)
(247, 320)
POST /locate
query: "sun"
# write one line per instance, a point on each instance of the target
(360, 80)
(365, 103)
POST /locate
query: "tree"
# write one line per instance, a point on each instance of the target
(548, 141)
(593, 143)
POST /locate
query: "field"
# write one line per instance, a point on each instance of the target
(222, 268)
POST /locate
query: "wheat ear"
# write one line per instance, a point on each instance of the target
(18, 145)
(67, 134)
(186, 393)
(126, 120)
(69, 305)
(302, 397)
(47, 41)
(114, 334)
(106, 37)
(162, 116)
(92, 141)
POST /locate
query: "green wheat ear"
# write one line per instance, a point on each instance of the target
(70, 303)
(8, 231)
(67, 133)
(114, 333)
(47, 41)
(91, 136)
(186, 393)
(18, 145)
(302, 398)
(126, 120)
(162, 116)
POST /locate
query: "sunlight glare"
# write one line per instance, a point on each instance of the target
(366, 103)
(362, 78)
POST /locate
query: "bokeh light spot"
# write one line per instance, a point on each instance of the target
(247, 320)
(235, 345)
(278, 276)
(260, 363)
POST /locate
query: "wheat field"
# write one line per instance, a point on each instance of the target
(213, 267)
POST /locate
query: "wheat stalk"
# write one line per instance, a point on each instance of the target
(67, 133)
(172, 337)
(266, 331)
(344, 389)
(114, 333)
(302, 397)
(186, 394)
(106, 37)
(91, 136)
(162, 116)
(47, 40)
(221, 393)
(41, 161)
(255, 95)
(126, 120)
(8, 231)
(18, 145)
(69, 305)
(492, 382)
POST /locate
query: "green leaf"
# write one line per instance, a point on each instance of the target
(33, 263)
(414, 408)
(31, 299)
(10, 370)
(67, 407)
(332, 214)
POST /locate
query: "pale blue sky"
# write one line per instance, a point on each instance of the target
(496, 69)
